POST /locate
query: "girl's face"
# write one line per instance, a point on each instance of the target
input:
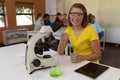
(76, 16)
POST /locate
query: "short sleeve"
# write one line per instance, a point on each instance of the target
(93, 35)
(68, 30)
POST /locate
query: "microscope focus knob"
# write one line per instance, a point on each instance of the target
(36, 62)
(38, 50)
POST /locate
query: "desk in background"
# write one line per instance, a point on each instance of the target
(57, 34)
(12, 67)
(103, 40)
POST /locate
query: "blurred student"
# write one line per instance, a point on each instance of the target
(39, 22)
(64, 19)
(47, 20)
(97, 27)
(91, 21)
(58, 17)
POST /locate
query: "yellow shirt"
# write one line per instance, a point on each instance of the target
(81, 43)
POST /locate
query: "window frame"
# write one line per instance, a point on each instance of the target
(3, 14)
(25, 5)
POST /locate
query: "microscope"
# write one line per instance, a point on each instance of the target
(38, 56)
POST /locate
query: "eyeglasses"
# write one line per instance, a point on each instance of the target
(75, 14)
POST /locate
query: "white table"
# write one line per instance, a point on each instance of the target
(67, 67)
(12, 67)
(12, 63)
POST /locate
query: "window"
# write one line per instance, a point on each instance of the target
(24, 14)
(2, 15)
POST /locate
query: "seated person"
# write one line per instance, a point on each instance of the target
(58, 17)
(39, 22)
(82, 37)
(47, 20)
(64, 19)
(91, 19)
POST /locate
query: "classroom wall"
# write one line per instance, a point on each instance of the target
(109, 17)
(38, 5)
(61, 6)
(112, 35)
(109, 13)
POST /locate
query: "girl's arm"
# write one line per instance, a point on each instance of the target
(63, 42)
(95, 45)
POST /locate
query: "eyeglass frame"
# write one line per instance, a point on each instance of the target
(76, 14)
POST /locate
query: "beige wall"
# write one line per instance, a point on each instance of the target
(91, 5)
(61, 6)
(106, 11)
(109, 13)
